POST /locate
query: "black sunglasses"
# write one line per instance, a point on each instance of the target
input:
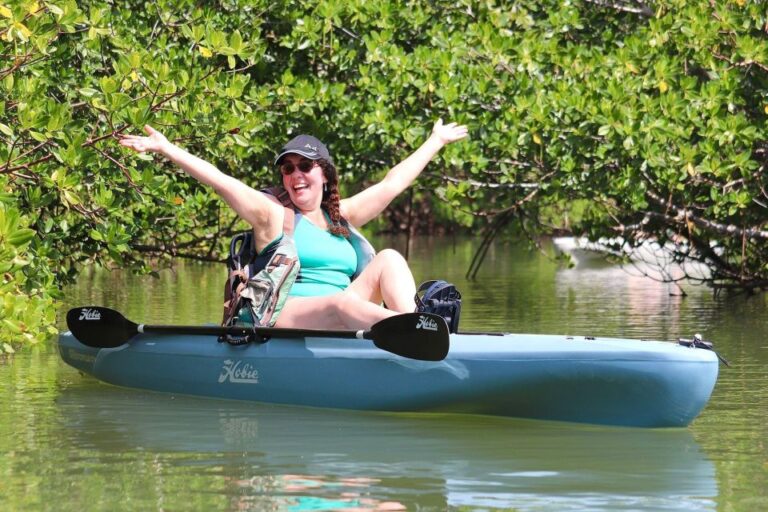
(304, 166)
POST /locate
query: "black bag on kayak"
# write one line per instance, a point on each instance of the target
(440, 298)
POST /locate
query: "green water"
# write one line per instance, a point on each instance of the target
(68, 442)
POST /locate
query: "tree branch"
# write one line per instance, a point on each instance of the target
(681, 216)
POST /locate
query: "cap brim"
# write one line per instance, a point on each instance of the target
(311, 156)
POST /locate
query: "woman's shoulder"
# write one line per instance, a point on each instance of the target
(279, 195)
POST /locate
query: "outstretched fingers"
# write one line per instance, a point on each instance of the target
(152, 142)
(133, 142)
(450, 132)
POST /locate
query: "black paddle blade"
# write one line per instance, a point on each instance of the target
(415, 335)
(99, 327)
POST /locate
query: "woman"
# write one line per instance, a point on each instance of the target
(309, 177)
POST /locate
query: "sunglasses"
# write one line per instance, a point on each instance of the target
(304, 166)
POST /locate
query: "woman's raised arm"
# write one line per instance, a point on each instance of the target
(369, 203)
(264, 215)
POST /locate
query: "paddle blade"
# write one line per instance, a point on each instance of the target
(99, 327)
(415, 335)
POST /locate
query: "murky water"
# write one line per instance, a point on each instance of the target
(68, 442)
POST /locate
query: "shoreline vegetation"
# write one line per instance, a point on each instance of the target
(638, 121)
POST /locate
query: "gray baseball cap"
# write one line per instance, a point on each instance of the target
(306, 146)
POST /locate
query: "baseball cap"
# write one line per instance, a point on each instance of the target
(306, 146)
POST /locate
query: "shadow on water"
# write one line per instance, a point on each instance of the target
(429, 460)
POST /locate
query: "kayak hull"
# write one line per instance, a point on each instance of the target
(600, 381)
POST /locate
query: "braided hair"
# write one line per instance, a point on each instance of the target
(331, 198)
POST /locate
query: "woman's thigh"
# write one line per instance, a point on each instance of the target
(344, 310)
(309, 313)
(368, 284)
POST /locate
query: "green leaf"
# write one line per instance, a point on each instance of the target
(88, 92)
(38, 136)
(236, 41)
(241, 141)
(12, 325)
(108, 85)
(20, 237)
(57, 11)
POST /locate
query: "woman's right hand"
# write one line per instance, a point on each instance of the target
(154, 142)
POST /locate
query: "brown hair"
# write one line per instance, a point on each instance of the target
(331, 198)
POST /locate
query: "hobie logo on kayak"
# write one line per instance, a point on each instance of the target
(239, 373)
(426, 324)
(89, 314)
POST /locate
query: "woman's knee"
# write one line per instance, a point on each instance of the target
(337, 305)
(349, 309)
(344, 302)
(391, 256)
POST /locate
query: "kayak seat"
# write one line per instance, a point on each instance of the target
(441, 298)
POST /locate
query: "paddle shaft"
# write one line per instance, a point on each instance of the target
(216, 330)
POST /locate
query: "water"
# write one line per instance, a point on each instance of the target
(69, 442)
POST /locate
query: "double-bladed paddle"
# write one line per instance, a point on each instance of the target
(421, 336)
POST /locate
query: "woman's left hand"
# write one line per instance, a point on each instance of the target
(450, 132)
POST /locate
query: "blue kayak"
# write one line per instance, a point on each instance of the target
(588, 380)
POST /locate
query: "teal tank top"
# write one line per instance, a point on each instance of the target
(327, 262)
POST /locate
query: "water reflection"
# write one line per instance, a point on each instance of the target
(301, 458)
(644, 302)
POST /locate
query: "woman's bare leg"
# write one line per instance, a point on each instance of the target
(387, 278)
(343, 310)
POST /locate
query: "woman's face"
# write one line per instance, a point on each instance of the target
(303, 179)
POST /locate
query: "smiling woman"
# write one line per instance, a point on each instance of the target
(306, 231)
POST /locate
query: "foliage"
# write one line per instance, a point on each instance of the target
(664, 129)
(654, 115)
(26, 307)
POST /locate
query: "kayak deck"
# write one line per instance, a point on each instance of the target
(588, 380)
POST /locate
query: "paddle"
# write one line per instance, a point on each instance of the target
(421, 336)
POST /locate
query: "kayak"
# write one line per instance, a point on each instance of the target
(606, 381)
